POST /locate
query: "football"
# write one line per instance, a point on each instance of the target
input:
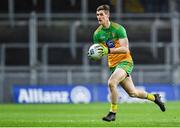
(93, 53)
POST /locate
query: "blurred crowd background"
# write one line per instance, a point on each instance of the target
(46, 41)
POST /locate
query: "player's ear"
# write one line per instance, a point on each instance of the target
(107, 13)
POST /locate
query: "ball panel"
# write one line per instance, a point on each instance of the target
(93, 53)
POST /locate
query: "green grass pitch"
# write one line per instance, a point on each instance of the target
(88, 115)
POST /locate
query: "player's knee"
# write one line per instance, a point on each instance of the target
(112, 83)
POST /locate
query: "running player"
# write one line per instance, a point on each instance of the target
(114, 42)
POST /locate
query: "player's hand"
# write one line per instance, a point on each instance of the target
(103, 50)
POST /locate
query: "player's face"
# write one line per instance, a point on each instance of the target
(102, 17)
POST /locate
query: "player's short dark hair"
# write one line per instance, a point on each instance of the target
(104, 7)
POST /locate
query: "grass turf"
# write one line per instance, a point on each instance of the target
(88, 115)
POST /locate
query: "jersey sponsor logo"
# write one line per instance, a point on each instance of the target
(102, 37)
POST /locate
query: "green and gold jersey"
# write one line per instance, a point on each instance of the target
(114, 33)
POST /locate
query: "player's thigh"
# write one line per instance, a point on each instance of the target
(117, 76)
(128, 85)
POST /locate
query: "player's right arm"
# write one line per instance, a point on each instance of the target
(95, 38)
(103, 50)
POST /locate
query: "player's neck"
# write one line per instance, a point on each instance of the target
(107, 24)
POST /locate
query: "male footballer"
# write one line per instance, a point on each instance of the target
(115, 45)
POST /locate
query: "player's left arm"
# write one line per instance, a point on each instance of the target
(123, 49)
(122, 40)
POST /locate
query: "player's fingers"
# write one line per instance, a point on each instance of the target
(100, 54)
(100, 51)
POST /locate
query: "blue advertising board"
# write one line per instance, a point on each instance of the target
(85, 93)
(52, 94)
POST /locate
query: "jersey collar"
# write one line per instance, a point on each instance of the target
(107, 28)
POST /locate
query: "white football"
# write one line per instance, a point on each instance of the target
(93, 53)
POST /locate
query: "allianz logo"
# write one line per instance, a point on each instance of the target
(41, 96)
(78, 94)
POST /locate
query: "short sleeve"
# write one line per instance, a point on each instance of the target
(121, 32)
